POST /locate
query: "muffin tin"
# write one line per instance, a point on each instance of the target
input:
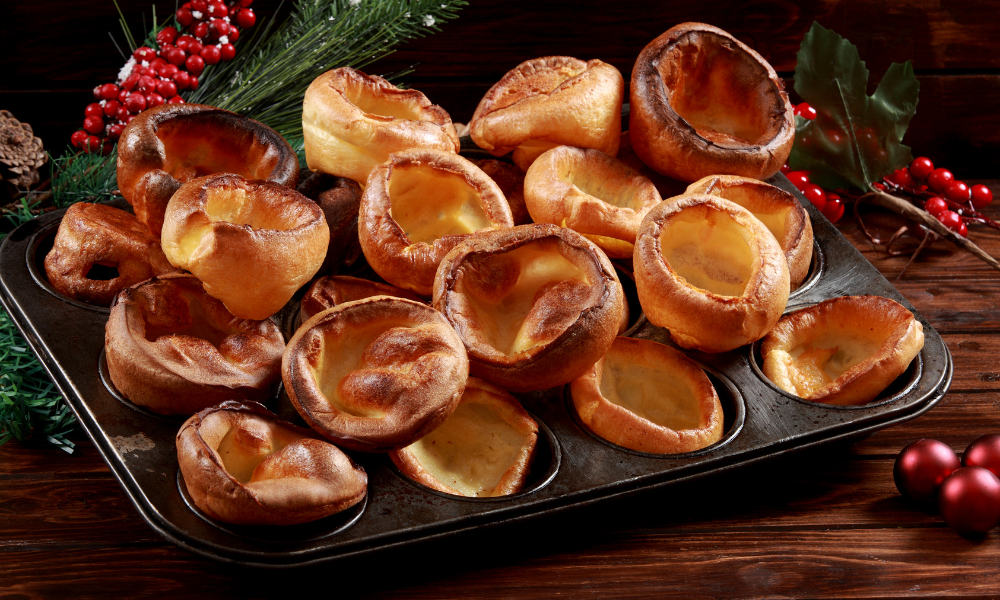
(572, 468)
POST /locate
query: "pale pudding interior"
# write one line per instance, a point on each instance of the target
(650, 391)
(374, 101)
(182, 314)
(473, 448)
(241, 206)
(242, 442)
(709, 249)
(821, 360)
(597, 183)
(202, 144)
(775, 219)
(430, 203)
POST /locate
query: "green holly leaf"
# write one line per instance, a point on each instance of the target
(855, 138)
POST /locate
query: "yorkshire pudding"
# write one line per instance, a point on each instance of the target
(704, 103)
(511, 182)
(649, 397)
(340, 199)
(99, 251)
(243, 465)
(536, 305)
(710, 272)
(843, 350)
(252, 243)
(483, 449)
(176, 350)
(778, 210)
(548, 102)
(327, 292)
(166, 146)
(375, 374)
(352, 122)
(667, 186)
(591, 193)
(418, 206)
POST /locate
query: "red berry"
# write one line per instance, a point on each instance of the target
(201, 30)
(167, 35)
(183, 41)
(939, 180)
(154, 99)
(219, 28)
(106, 147)
(963, 230)
(935, 206)
(93, 110)
(195, 48)
(246, 18)
(245, 3)
(123, 113)
(97, 93)
(147, 84)
(211, 54)
(195, 65)
(199, 5)
(93, 124)
(182, 79)
(184, 16)
(176, 56)
(969, 500)
(785, 168)
(903, 178)
(130, 82)
(234, 34)
(958, 191)
(218, 9)
(227, 51)
(115, 131)
(921, 467)
(921, 167)
(149, 71)
(123, 96)
(136, 103)
(109, 91)
(816, 195)
(92, 144)
(111, 108)
(804, 110)
(78, 138)
(176, 100)
(834, 207)
(950, 219)
(194, 82)
(144, 53)
(166, 88)
(981, 196)
(798, 178)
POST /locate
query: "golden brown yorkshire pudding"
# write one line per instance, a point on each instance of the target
(536, 305)
(340, 199)
(169, 145)
(330, 291)
(418, 206)
(352, 122)
(704, 103)
(843, 350)
(710, 272)
(778, 210)
(591, 193)
(252, 243)
(483, 449)
(511, 182)
(375, 374)
(548, 102)
(243, 465)
(176, 350)
(667, 186)
(99, 251)
(649, 397)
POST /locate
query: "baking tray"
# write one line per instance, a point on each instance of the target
(573, 468)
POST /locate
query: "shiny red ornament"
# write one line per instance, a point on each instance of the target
(981, 196)
(921, 467)
(969, 500)
(984, 452)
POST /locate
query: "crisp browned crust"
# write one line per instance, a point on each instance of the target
(352, 122)
(243, 465)
(252, 243)
(646, 410)
(782, 214)
(176, 350)
(375, 374)
(511, 182)
(95, 234)
(882, 336)
(569, 304)
(483, 449)
(547, 102)
(591, 193)
(667, 186)
(166, 146)
(703, 103)
(399, 224)
(718, 245)
(340, 203)
(327, 292)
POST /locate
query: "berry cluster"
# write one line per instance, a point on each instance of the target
(828, 203)
(967, 491)
(154, 77)
(952, 202)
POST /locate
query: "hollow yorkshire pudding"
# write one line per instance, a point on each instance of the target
(166, 146)
(340, 199)
(176, 350)
(352, 122)
(536, 305)
(548, 102)
(591, 193)
(99, 251)
(649, 397)
(419, 205)
(704, 103)
(252, 243)
(710, 272)
(511, 182)
(243, 465)
(778, 210)
(327, 292)
(483, 449)
(375, 374)
(843, 350)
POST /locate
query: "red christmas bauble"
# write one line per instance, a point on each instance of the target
(984, 452)
(969, 500)
(921, 467)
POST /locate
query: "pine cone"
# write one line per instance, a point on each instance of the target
(21, 153)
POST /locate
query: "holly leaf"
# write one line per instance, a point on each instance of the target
(855, 138)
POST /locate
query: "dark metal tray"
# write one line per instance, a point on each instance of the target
(573, 468)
